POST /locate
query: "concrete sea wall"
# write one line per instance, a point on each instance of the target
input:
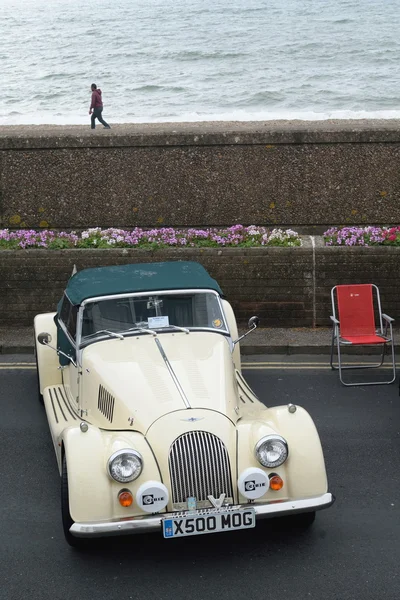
(302, 174)
(284, 286)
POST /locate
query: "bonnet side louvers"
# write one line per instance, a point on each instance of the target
(105, 403)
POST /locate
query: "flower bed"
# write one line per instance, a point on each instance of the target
(362, 236)
(235, 236)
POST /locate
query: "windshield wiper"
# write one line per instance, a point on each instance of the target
(142, 329)
(153, 332)
(111, 333)
(184, 329)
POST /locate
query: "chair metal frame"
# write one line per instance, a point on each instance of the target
(381, 332)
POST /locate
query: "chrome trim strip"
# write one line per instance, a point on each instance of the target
(79, 324)
(152, 292)
(172, 373)
(153, 522)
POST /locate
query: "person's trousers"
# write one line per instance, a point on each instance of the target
(96, 114)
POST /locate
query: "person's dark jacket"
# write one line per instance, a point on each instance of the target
(96, 99)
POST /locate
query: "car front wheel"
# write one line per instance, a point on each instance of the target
(39, 395)
(300, 521)
(67, 521)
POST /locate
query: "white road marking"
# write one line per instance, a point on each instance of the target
(254, 366)
(28, 366)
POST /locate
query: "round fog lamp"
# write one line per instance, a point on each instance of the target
(125, 465)
(253, 483)
(152, 496)
(272, 451)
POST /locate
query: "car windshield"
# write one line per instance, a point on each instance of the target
(195, 310)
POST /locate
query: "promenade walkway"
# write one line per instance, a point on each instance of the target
(301, 340)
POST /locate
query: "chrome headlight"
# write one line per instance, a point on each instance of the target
(272, 451)
(125, 465)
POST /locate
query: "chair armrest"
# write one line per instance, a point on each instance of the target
(334, 320)
(387, 318)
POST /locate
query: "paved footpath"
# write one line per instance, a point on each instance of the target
(301, 340)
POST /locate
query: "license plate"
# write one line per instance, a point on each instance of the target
(209, 522)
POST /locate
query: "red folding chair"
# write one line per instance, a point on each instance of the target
(355, 326)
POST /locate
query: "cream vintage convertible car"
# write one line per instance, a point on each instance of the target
(153, 425)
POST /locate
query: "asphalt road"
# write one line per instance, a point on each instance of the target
(351, 552)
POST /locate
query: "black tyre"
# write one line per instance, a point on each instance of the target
(67, 521)
(300, 521)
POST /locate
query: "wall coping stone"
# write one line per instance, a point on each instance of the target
(26, 137)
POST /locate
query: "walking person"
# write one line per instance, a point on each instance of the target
(96, 107)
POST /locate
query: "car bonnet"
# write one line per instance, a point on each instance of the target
(147, 377)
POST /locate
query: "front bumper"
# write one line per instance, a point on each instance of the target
(152, 523)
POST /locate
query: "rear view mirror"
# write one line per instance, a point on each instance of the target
(44, 338)
(252, 324)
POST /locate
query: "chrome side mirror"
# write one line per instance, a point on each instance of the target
(252, 324)
(45, 339)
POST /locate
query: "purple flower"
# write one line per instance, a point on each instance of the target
(137, 237)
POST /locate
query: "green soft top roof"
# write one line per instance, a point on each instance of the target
(144, 277)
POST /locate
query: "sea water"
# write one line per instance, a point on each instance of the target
(199, 60)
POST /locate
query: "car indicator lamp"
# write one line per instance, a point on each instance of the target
(125, 465)
(125, 498)
(275, 482)
(271, 451)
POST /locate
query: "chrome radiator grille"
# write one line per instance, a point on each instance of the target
(199, 466)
